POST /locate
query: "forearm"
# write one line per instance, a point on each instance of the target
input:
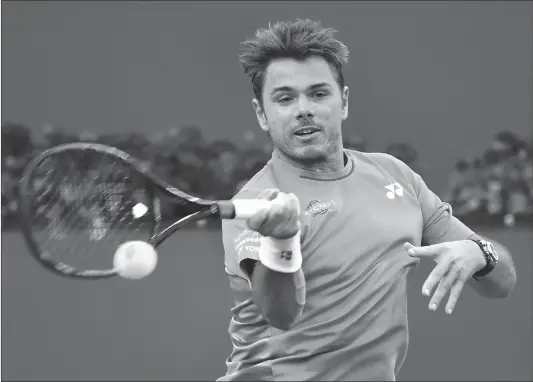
(279, 296)
(501, 281)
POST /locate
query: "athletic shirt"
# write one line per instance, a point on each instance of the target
(354, 225)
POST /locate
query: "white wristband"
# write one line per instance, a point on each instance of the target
(283, 256)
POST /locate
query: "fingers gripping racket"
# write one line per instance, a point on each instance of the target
(80, 201)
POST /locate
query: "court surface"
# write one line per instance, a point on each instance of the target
(173, 325)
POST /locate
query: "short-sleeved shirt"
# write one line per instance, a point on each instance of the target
(354, 225)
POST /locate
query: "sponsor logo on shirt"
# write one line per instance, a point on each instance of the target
(248, 240)
(316, 207)
(394, 189)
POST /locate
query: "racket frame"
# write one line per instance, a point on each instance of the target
(206, 208)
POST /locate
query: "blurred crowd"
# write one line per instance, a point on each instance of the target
(496, 185)
(181, 156)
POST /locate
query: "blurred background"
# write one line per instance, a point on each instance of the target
(444, 86)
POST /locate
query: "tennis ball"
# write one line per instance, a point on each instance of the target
(135, 259)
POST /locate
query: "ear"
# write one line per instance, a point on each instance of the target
(344, 96)
(260, 114)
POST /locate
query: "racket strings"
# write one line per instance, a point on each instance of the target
(85, 205)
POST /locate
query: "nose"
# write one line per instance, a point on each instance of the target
(304, 109)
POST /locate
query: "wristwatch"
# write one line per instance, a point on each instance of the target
(491, 256)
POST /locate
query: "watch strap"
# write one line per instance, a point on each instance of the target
(489, 258)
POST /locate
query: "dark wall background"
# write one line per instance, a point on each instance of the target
(444, 76)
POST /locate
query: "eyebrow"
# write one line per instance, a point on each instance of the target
(288, 88)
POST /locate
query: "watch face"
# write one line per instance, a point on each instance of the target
(491, 249)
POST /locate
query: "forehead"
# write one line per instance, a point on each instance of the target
(298, 74)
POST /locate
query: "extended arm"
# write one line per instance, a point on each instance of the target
(446, 240)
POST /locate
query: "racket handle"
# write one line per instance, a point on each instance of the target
(241, 208)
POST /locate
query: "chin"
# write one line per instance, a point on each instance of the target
(311, 153)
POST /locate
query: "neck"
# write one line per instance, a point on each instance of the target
(332, 163)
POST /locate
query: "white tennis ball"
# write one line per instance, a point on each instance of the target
(135, 259)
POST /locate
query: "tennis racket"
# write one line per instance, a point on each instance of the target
(80, 201)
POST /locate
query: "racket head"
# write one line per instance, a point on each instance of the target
(80, 201)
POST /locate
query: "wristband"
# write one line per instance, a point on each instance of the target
(281, 255)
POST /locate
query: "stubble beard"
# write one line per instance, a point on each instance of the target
(310, 157)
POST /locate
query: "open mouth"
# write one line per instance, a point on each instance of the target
(306, 131)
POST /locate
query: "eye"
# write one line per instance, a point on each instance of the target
(284, 99)
(320, 94)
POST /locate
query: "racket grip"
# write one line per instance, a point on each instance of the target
(241, 208)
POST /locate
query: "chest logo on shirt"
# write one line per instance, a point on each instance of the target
(394, 189)
(316, 207)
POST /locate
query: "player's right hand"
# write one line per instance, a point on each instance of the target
(281, 219)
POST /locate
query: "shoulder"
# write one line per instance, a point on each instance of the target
(379, 159)
(262, 180)
(384, 162)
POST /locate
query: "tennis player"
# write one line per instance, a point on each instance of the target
(319, 277)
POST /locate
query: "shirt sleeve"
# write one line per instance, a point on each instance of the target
(439, 223)
(240, 243)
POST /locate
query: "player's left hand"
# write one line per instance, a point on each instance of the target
(456, 262)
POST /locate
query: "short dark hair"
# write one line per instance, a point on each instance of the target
(299, 40)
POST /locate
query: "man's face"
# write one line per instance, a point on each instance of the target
(303, 108)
